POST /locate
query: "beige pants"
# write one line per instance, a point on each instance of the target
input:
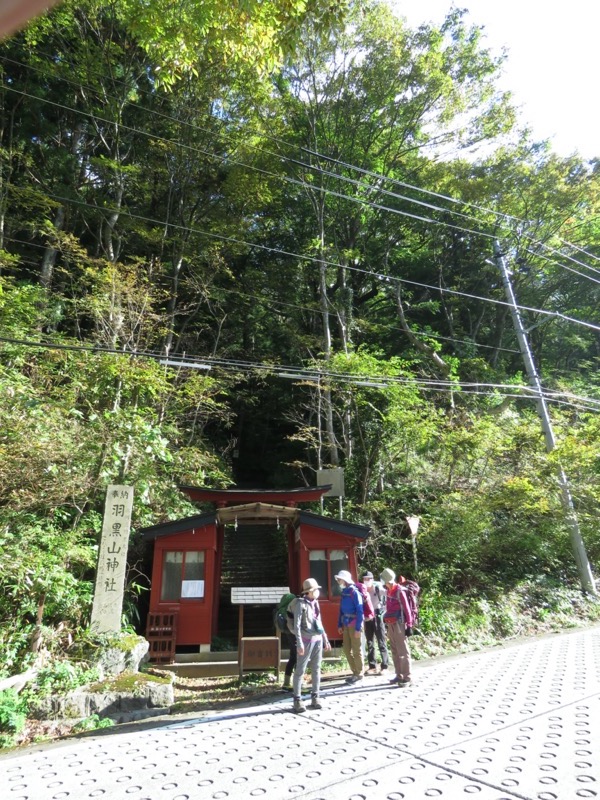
(352, 646)
(400, 651)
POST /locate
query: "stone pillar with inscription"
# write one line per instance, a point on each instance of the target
(112, 560)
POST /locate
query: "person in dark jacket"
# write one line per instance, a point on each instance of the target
(374, 627)
(289, 639)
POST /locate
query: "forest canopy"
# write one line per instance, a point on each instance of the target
(303, 205)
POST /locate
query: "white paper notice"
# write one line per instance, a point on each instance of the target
(192, 589)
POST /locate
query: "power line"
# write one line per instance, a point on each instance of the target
(582, 249)
(303, 374)
(228, 160)
(417, 217)
(316, 310)
(449, 199)
(311, 309)
(262, 150)
(564, 266)
(319, 170)
(324, 262)
(556, 314)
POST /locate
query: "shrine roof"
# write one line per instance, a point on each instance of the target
(255, 513)
(334, 525)
(178, 526)
(235, 496)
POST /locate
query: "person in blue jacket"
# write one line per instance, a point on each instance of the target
(350, 625)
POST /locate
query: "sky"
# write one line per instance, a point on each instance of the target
(553, 66)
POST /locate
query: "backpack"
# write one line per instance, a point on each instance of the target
(282, 616)
(411, 591)
(381, 596)
(289, 613)
(368, 612)
(306, 616)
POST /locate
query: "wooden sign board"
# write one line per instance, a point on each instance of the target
(259, 653)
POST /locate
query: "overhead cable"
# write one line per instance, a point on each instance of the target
(303, 374)
(325, 262)
(286, 178)
(305, 165)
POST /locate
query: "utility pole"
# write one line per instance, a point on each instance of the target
(583, 565)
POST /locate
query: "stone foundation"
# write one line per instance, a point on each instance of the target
(118, 705)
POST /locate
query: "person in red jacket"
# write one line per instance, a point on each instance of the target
(398, 617)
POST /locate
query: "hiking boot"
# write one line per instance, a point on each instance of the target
(371, 671)
(395, 679)
(355, 680)
(404, 681)
(384, 668)
(287, 683)
(299, 707)
(315, 703)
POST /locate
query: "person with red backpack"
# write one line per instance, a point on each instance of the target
(398, 617)
(350, 625)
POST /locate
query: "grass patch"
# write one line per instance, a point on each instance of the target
(127, 682)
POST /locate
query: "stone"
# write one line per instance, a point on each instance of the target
(81, 703)
(160, 695)
(125, 656)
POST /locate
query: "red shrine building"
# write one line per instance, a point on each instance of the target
(251, 538)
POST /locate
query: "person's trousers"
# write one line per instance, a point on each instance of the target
(400, 651)
(375, 629)
(291, 664)
(313, 655)
(352, 647)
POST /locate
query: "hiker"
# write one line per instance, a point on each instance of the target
(311, 640)
(350, 625)
(397, 618)
(281, 617)
(374, 627)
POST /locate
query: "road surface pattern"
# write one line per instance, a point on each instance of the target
(522, 721)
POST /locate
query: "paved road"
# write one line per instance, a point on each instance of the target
(521, 721)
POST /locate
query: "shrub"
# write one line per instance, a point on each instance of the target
(92, 723)
(12, 716)
(62, 676)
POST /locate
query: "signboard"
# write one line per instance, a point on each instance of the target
(112, 560)
(335, 477)
(260, 653)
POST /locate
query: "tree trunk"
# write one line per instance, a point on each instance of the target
(332, 448)
(49, 259)
(108, 229)
(439, 363)
(172, 304)
(36, 639)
